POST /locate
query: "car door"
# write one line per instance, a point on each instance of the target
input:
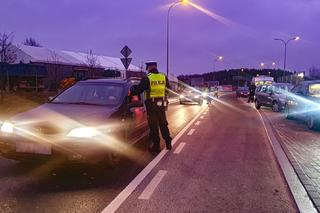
(268, 96)
(137, 118)
(294, 102)
(263, 95)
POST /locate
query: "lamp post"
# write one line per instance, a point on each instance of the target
(285, 49)
(219, 58)
(184, 2)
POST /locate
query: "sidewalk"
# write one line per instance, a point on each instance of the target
(221, 164)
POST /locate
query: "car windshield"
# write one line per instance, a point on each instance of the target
(90, 94)
(314, 89)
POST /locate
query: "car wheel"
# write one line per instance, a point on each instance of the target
(288, 113)
(257, 104)
(275, 107)
(312, 124)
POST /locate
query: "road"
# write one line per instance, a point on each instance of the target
(227, 165)
(27, 188)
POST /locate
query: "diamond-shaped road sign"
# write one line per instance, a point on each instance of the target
(126, 51)
(126, 62)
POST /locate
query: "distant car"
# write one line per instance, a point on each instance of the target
(191, 96)
(92, 121)
(304, 103)
(273, 96)
(242, 92)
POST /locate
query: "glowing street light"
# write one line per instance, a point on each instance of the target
(262, 64)
(219, 58)
(183, 2)
(297, 38)
(273, 64)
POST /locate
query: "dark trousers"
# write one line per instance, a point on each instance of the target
(157, 119)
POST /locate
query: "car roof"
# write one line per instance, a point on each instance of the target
(310, 82)
(113, 81)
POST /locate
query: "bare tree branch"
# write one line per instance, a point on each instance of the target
(92, 63)
(8, 55)
(32, 42)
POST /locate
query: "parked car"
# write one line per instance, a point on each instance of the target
(303, 103)
(273, 96)
(242, 92)
(92, 121)
(191, 96)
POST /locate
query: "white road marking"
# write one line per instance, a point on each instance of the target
(126, 192)
(298, 191)
(148, 191)
(191, 132)
(179, 148)
(197, 123)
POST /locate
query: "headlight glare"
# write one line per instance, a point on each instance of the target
(204, 94)
(84, 132)
(181, 96)
(7, 127)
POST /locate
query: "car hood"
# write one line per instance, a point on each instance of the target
(66, 114)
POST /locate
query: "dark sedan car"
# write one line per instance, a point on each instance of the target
(242, 92)
(304, 103)
(93, 120)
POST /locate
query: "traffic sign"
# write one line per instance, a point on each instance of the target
(126, 62)
(126, 51)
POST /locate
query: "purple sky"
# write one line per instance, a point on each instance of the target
(105, 26)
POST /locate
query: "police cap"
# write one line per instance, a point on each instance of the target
(151, 63)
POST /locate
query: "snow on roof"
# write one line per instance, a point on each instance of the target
(28, 54)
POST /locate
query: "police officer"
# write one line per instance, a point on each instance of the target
(154, 86)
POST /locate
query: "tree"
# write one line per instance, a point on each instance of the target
(54, 66)
(8, 54)
(92, 63)
(31, 42)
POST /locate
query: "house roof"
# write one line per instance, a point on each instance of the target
(27, 54)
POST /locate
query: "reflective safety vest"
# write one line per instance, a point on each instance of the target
(157, 85)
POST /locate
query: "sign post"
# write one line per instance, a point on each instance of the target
(126, 61)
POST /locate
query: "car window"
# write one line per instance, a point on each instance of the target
(263, 89)
(296, 89)
(97, 94)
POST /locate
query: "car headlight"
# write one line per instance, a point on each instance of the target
(196, 96)
(7, 127)
(83, 132)
(181, 96)
(204, 94)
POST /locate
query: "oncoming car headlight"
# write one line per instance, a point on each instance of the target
(7, 127)
(83, 132)
(196, 96)
(181, 96)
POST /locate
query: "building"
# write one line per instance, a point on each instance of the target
(57, 65)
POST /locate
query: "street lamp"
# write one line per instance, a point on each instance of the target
(262, 65)
(219, 58)
(285, 48)
(183, 2)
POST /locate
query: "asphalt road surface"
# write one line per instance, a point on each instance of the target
(78, 188)
(227, 165)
